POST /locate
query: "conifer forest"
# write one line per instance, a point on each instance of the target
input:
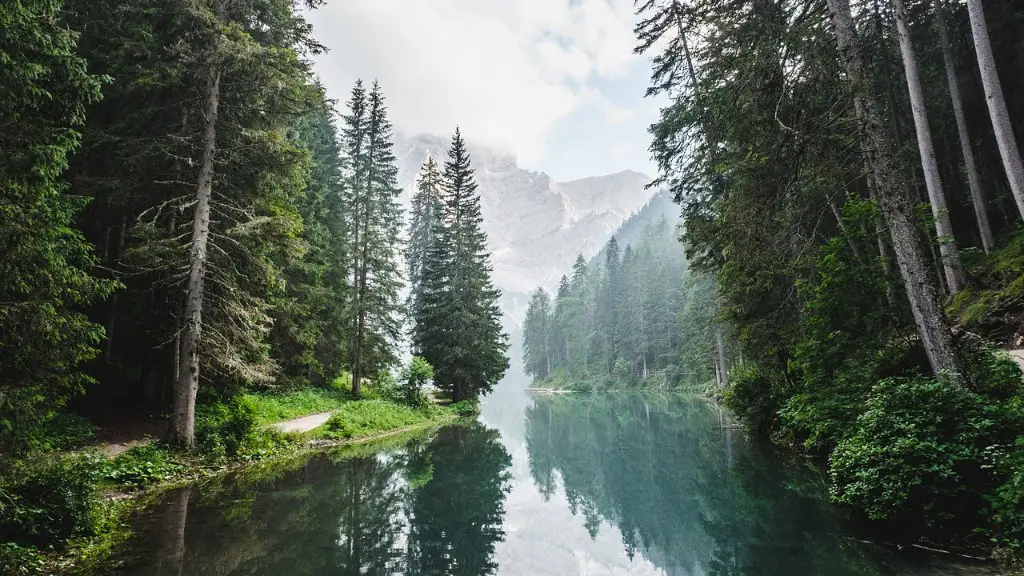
(209, 264)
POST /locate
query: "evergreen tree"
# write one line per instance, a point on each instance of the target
(375, 220)
(536, 336)
(308, 333)
(458, 325)
(424, 226)
(45, 280)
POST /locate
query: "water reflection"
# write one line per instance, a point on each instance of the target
(432, 507)
(691, 495)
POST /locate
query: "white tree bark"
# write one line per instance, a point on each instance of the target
(932, 326)
(182, 432)
(723, 365)
(943, 226)
(997, 110)
(973, 177)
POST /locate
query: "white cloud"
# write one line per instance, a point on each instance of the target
(506, 71)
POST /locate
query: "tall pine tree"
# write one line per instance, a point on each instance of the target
(375, 222)
(458, 324)
(424, 226)
(45, 269)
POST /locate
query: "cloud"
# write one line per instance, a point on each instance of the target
(505, 71)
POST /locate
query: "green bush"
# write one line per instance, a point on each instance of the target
(926, 452)
(18, 560)
(467, 407)
(140, 467)
(755, 397)
(264, 443)
(414, 377)
(221, 427)
(51, 501)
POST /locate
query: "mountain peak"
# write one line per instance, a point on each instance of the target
(535, 226)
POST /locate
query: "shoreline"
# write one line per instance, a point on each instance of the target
(94, 554)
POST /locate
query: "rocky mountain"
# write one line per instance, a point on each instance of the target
(535, 225)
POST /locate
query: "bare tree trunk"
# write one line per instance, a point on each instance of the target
(997, 110)
(182, 433)
(924, 302)
(973, 177)
(943, 226)
(723, 366)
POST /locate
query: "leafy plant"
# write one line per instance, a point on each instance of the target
(50, 501)
(142, 466)
(925, 451)
(414, 377)
(221, 427)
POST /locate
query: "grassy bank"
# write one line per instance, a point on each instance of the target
(67, 512)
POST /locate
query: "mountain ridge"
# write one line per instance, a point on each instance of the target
(535, 225)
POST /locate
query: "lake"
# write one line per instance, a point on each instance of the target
(551, 485)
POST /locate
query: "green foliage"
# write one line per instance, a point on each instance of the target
(625, 320)
(50, 501)
(414, 377)
(45, 273)
(995, 293)
(755, 396)
(64, 431)
(367, 417)
(457, 321)
(467, 407)
(222, 427)
(926, 452)
(141, 466)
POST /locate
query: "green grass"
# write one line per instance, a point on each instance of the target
(276, 407)
(368, 417)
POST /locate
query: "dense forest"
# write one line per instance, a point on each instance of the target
(851, 194)
(635, 315)
(187, 218)
(850, 178)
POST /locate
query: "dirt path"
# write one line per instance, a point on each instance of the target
(304, 424)
(1018, 355)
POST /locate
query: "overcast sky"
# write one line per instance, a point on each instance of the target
(554, 81)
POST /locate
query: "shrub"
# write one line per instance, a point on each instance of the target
(221, 427)
(141, 466)
(467, 407)
(414, 377)
(924, 451)
(754, 396)
(51, 501)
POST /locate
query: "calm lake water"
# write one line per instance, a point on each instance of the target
(588, 485)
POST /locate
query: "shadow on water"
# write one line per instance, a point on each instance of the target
(432, 507)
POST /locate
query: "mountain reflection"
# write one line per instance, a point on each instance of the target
(432, 507)
(686, 490)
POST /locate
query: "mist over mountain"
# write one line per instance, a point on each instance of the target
(535, 225)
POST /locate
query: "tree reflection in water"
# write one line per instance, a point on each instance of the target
(432, 507)
(686, 491)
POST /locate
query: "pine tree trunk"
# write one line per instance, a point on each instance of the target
(723, 366)
(943, 226)
(997, 110)
(973, 177)
(182, 432)
(932, 326)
